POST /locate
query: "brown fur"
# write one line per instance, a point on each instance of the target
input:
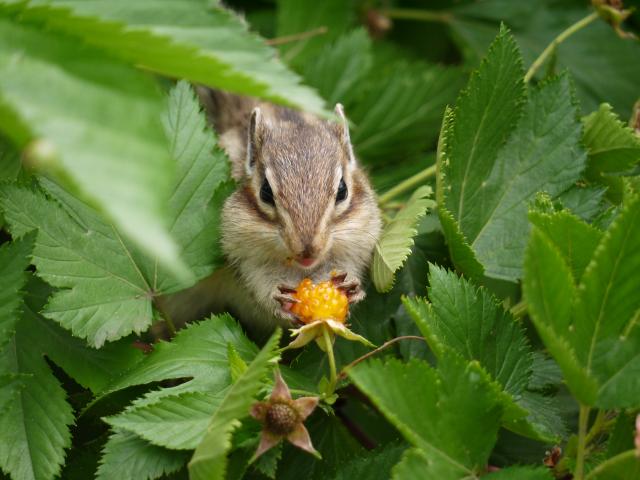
(304, 158)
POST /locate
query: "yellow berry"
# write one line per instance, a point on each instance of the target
(320, 302)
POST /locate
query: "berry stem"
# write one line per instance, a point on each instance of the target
(579, 25)
(328, 346)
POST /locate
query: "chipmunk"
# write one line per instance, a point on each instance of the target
(302, 208)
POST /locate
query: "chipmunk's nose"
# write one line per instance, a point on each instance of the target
(307, 258)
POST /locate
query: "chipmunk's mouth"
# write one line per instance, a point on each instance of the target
(307, 262)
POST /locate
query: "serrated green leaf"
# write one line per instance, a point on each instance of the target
(575, 240)
(339, 67)
(91, 368)
(548, 285)
(198, 352)
(396, 240)
(625, 466)
(295, 17)
(374, 465)
(14, 259)
(96, 124)
(596, 56)
(612, 145)
(10, 163)
(471, 322)
(587, 202)
(415, 464)
(236, 364)
(178, 422)
(38, 417)
(104, 295)
(607, 300)
(397, 110)
(597, 342)
(209, 459)
(434, 409)
(107, 284)
(486, 183)
(193, 39)
(522, 473)
(127, 456)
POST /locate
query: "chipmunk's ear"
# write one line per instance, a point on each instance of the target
(256, 137)
(343, 133)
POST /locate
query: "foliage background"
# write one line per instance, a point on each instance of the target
(111, 187)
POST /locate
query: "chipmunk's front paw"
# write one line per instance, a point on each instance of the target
(285, 297)
(351, 287)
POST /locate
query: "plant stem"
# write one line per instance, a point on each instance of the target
(596, 428)
(407, 184)
(621, 457)
(343, 372)
(166, 317)
(297, 36)
(306, 393)
(416, 14)
(519, 309)
(579, 25)
(583, 420)
(328, 345)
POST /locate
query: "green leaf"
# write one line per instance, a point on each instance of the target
(202, 167)
(104, 296)
(625, 466)
(548, 287)
(91, 368)
(612, 145)
(587, 202)
(415, 464)
(331, 438)
(96, 124)
(339, 68)
(177, 422)
(471, 322)
(193, 39)
(197, 352)
(10, 164)
(397, 111)
(606, 307)
(597, 342)
(37, 419)
(127, 456)
(434, 409)
(522, 473)
(209, 459)
(108, 285)
(296, 17)
(397, 239)
(575, 240)
(14, 259)
(487, 183)
(374, 465)
(597, 58)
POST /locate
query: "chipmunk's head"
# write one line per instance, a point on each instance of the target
(304, 198)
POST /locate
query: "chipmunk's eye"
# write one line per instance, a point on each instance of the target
(342, 191)
(266, 194)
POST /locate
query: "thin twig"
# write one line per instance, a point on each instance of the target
(579, 25)
(343, 372)
(417, 14)
(297, 37)
(582, 443)
(407, 184)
